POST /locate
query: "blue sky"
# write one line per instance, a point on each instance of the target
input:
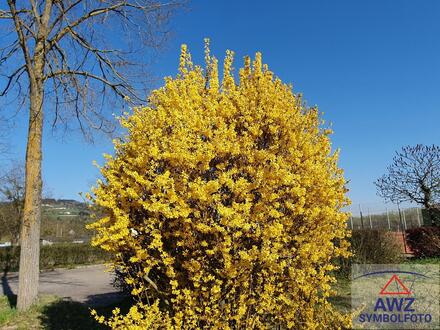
(372, 67)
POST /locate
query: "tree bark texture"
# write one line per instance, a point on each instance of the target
(30, 229)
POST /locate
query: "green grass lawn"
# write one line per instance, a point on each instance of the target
(6, 312)
(54, 314)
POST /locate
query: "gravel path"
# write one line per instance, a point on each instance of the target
(88, 284)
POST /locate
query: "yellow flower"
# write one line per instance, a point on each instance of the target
(223, 204)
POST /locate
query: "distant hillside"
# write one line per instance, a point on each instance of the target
(65, 207)
(63, 220)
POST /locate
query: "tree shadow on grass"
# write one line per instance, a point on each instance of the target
(71, 315)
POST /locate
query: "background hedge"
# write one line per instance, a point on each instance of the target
(424, 241)
(57, 255)
(371, 246)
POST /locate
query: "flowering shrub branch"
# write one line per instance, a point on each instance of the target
(223, 204)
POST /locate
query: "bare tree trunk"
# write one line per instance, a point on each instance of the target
(30, 229)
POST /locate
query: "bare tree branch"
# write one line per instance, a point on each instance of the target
(7, 14)
(74, 39)
(20, 34)
(414, 176)
(115, 86)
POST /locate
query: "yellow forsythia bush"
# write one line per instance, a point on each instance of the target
(223, 205)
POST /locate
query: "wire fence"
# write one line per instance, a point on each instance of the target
(381, 216)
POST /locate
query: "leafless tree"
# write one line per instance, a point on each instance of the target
(70, 59)
(414, 176)
(11, 201)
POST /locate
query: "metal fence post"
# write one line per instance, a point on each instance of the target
(403, 231)
(405, 227)
(418, 217)
(369, 218)
(400, 218)
(362, 218)
(388, 219)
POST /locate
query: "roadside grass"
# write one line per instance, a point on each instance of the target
(11, 319)
(6, 312)
(53, 313)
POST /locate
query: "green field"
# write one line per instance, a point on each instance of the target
(53, 313)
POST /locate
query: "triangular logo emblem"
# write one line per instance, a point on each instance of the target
(397, 287)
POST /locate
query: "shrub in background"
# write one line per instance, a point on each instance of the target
(9, 258)
(71, 254)
(371, 246)
(375, 247)
(223, 205)
(424, 241)
(56, 255)
(431, 216)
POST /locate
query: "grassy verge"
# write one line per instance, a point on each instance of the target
(11, 319)
(6, 312)
(53, 313)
